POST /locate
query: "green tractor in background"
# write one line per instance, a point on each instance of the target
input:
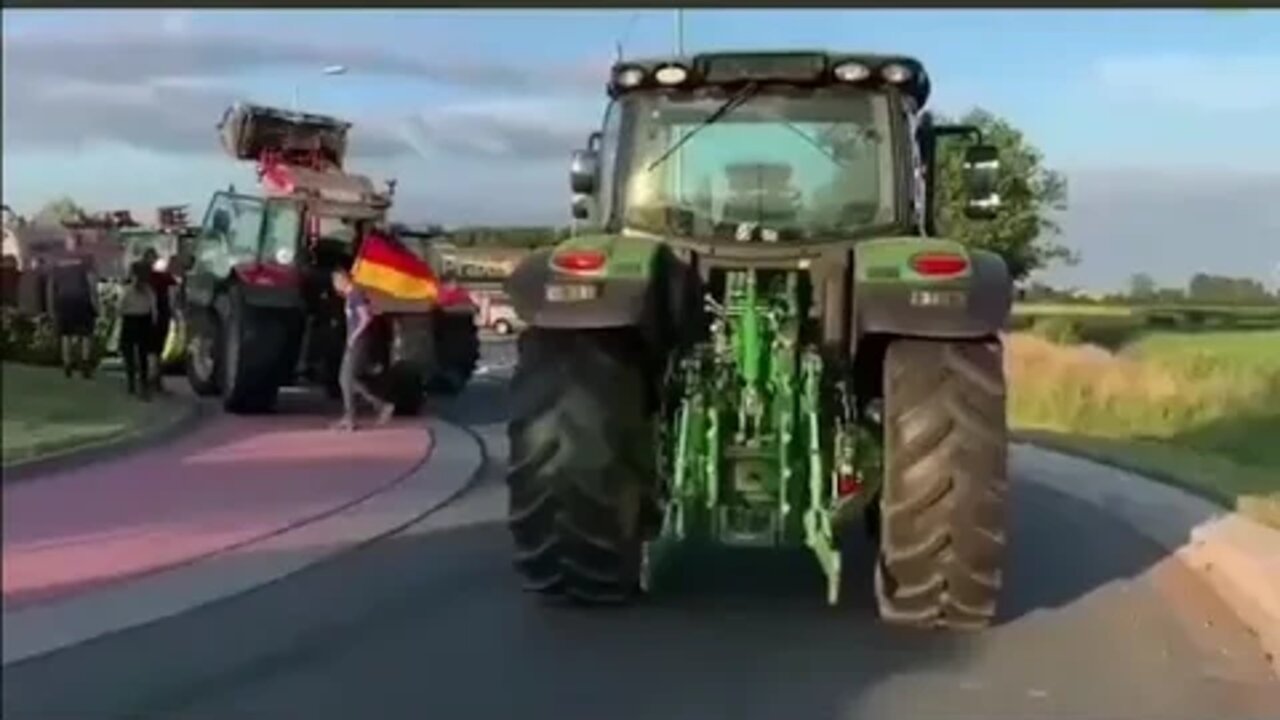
(762, 343)
(172, 239)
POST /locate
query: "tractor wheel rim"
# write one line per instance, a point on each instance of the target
(201, 356)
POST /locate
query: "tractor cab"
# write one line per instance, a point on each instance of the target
(311, 214)
(772, 147)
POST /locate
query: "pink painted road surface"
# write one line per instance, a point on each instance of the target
(232, 481)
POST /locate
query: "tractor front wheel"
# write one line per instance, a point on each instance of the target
(252, 350)
(202, 354)
(581, 463)
(942, 507)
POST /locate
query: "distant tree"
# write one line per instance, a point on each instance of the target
(1142, 287)
(1166, 295)
(1029, 192)
(60, 211)
(507, 237)
(1223, 289)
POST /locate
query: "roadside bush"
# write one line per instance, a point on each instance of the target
(31, 339)
(1113, 333)
(1057, 329)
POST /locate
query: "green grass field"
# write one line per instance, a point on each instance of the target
(44, 413)
(1198, 409)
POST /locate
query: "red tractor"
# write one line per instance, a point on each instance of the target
(258, 299)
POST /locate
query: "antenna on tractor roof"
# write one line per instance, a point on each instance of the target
(624, 36)
(679, 32)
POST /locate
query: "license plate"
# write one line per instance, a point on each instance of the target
(576, 292)
(937, 298)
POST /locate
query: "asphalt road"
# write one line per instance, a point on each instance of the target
(230, 481)
(432, 624)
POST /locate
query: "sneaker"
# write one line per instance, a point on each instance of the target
(346, 424)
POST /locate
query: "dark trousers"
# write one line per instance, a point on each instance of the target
(353, 364)
(136, 333)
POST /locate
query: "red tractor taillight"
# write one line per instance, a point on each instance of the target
(939, 264)
(268, 274)
(579, 261)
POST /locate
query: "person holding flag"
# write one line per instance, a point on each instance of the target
(384, 273)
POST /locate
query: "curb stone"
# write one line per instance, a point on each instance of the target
(457, 459)
(190, 414)
(1238, 557)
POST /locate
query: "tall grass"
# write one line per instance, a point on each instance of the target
(1159, 387)
(1202, 407)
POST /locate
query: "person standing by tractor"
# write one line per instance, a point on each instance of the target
(138, 311)
(359, 316)
(162, 286)
(73, 301)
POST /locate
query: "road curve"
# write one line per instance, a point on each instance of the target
(1096, 624)
(230, 482)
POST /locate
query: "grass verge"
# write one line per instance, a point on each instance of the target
(1201, 411)
(44, 413)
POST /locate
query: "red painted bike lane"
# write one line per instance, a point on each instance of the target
(232, 481)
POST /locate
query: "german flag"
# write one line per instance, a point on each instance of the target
(391, 270)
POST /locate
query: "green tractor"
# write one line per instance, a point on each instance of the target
(171, 239)
(761, 342)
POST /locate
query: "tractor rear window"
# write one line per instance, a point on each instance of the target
(786, 164)
(280, 234)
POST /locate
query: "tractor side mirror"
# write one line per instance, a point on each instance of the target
(584, 166)
(581, 206)
(981, 177)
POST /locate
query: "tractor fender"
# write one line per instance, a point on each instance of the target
(891, 298)
(641, 284)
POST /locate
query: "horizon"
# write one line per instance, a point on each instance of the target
(1145, 112)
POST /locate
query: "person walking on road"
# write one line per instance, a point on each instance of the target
(162, 286)
(359, 315)
(138, 312)
(73, 301)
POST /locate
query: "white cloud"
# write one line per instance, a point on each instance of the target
(163, 90)
(177, 23)
(1239, 83)
(513, 128)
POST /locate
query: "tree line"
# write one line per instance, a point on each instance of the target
(1200, 289)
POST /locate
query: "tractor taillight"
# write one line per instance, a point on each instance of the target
(848, 484)
(579, 261)
(939, 264)
(264, 274)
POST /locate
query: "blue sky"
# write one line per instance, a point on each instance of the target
(1153, 110)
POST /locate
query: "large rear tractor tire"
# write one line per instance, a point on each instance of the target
(582, 463)
(405, 389)
(942, 507)
(457, 350)
(252, 349)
